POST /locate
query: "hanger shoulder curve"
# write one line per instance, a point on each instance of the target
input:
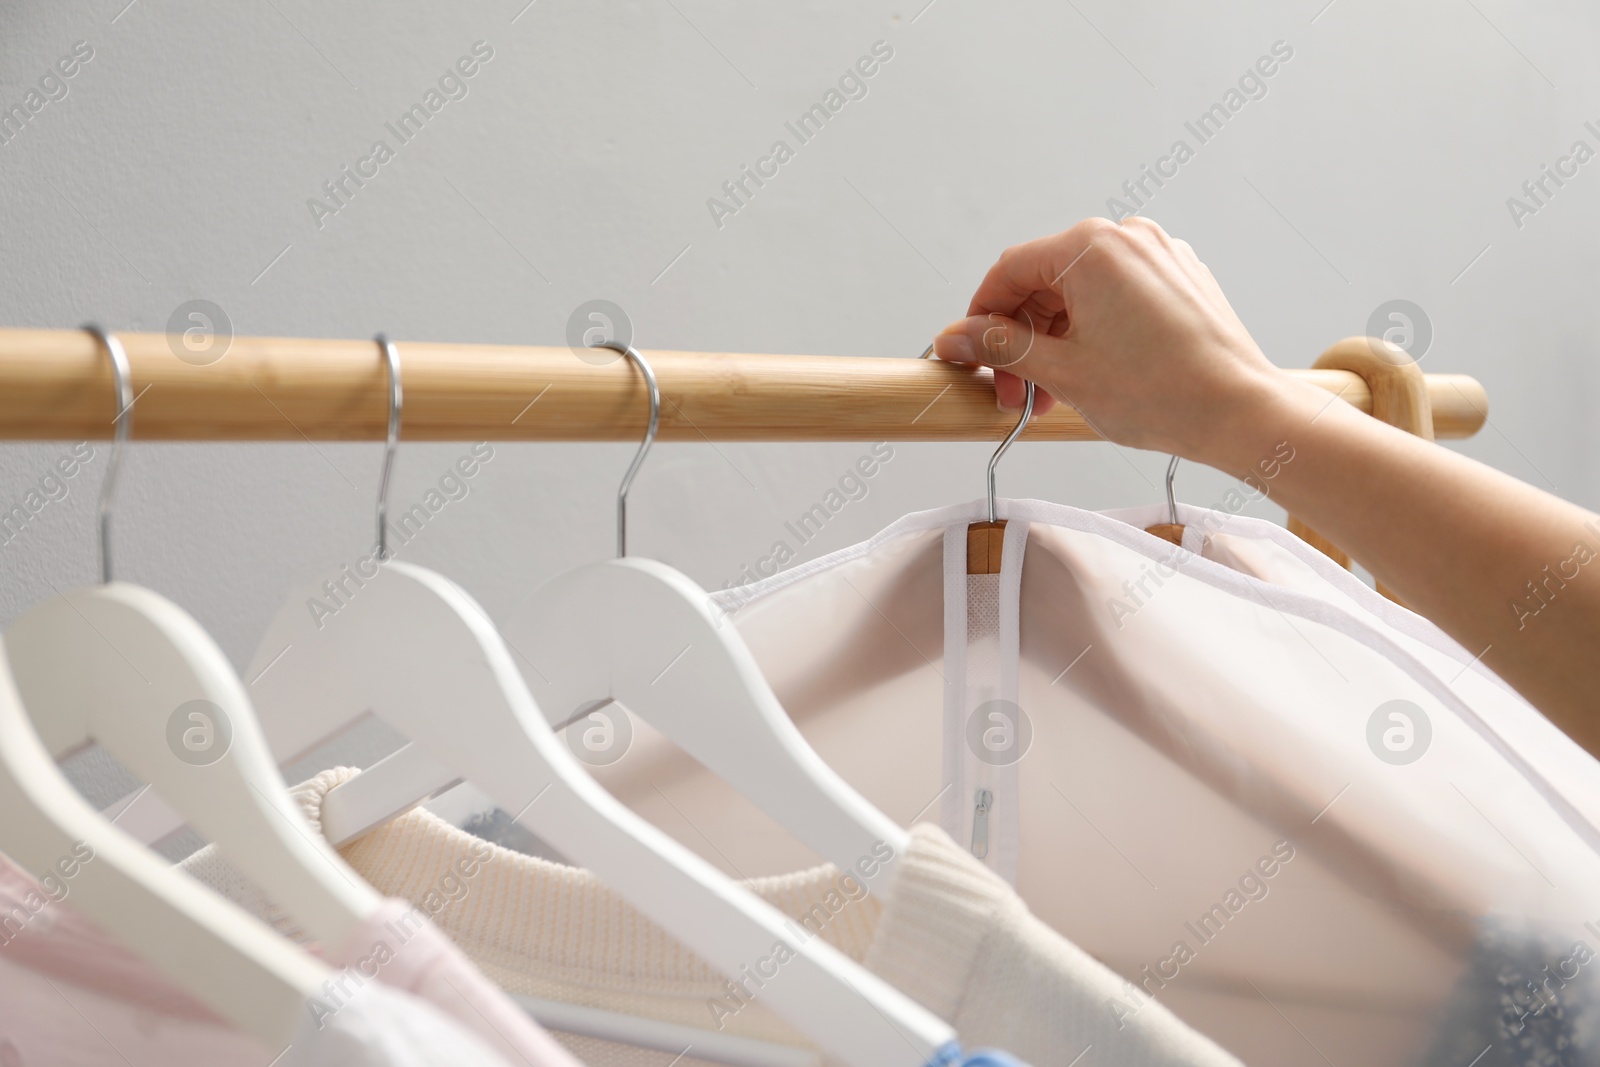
(645, 635)
(418, 651)
(220, 954)
(124, 666)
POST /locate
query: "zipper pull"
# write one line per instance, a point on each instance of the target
(980, 823)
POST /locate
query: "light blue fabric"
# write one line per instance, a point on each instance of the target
(951, 1056)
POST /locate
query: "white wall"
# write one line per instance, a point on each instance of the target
(579, 164)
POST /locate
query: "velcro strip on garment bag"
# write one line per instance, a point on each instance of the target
(986, 732)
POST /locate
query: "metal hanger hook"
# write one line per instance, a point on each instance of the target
(391, 356)
(1016, 431)
(122, 381)
(1172, 501)
(644, 446)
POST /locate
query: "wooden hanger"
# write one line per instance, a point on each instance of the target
(985, 540)
(1172, 529)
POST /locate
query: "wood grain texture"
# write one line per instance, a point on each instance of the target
(1168, 531)
(986, 543)
(56, 384)
(1399, 389)
(1400, 395)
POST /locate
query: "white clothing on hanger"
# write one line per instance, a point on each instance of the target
(949, 933)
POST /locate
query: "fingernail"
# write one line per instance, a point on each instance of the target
(1002, 406)
(956, 347)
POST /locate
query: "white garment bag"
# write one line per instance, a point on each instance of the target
(1216, 796)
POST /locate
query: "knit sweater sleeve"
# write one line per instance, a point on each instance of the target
(958, 939)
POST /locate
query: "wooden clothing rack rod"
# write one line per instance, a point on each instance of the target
(57, 385)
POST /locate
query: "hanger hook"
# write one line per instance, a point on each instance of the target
(391, 356)
(1172, 501)
(1016, 431)
(122, 380)
(644, 446)
(994, 460)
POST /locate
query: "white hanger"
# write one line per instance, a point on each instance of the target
(415, 649)
(219, 953)
(124, 666)
(643, 635)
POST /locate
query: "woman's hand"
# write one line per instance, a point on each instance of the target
(1127, 325)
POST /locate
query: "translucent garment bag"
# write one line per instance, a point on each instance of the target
(1306, 822)
(1267, 551)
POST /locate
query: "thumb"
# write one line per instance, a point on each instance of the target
(1014, 349)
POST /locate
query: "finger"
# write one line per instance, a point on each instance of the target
(997, 341)
(1037, 267)
(953, 345)
(1040, 310)
(993, 339)
(1004, 344)
(1011, 393)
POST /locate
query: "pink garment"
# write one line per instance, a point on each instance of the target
(41, 934)
(71, 995)
(49, 1021)
(401, 947)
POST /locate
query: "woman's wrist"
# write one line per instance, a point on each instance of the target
(1262, 417)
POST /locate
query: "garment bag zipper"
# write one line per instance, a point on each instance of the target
(980, 823)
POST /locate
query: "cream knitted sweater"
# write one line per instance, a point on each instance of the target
(952, 935)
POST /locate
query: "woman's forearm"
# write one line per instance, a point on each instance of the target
(1509, 571)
